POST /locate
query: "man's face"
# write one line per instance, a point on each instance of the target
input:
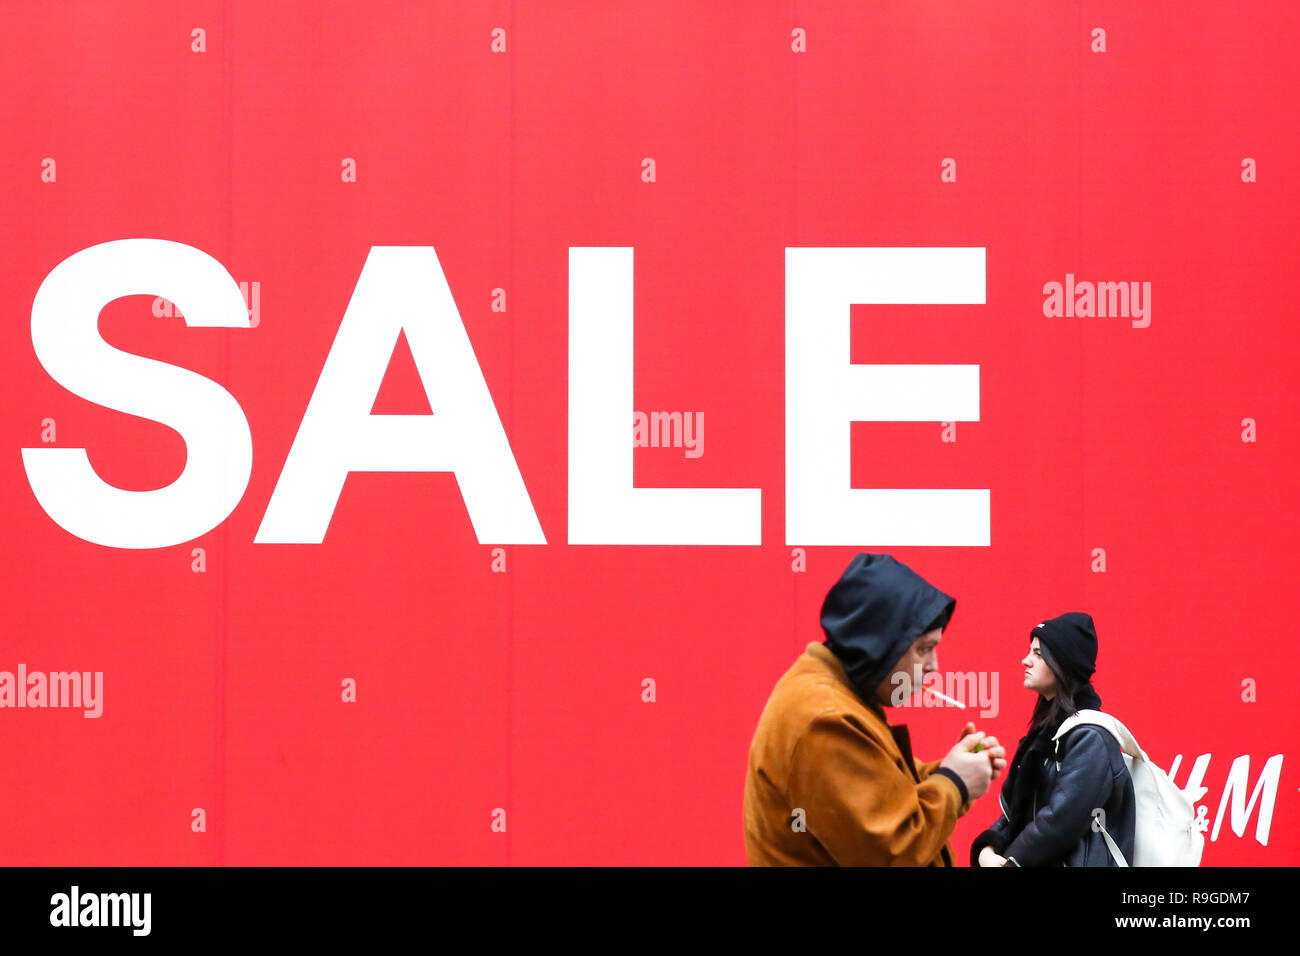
(920, 659)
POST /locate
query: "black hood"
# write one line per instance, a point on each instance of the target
(875, 612)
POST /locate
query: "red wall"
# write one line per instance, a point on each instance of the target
(522, 689)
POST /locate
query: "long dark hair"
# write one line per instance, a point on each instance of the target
(1049, 714)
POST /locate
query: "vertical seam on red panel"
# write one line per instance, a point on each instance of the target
(792, 240)
(1083, 341)
(512, 381)
(223, 594)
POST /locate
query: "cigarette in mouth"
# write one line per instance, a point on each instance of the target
(956, 703)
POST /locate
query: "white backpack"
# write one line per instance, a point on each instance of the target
(1165, 832)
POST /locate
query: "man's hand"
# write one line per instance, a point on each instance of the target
(997, 753)
(975, 769)
(989, 857)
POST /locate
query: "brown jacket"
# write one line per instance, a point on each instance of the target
(865, 800)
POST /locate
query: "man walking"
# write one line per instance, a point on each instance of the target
(830, 782)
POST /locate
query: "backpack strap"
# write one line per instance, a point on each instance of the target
(1074, 720)
(1117, 730)
(1110, 845)
(1127, 744)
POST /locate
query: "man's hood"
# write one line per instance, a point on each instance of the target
(874, 613)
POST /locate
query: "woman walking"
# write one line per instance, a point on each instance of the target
(1058, 796)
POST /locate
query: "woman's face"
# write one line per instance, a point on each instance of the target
(1038, 676)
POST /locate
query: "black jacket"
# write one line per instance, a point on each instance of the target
(1047, 818)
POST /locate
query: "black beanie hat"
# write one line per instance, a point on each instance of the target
(1071, 639)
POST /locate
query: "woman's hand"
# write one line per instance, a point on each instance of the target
(990, 857)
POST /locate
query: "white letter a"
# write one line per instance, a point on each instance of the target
(401, 289)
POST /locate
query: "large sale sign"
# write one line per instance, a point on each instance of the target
(432, 429)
